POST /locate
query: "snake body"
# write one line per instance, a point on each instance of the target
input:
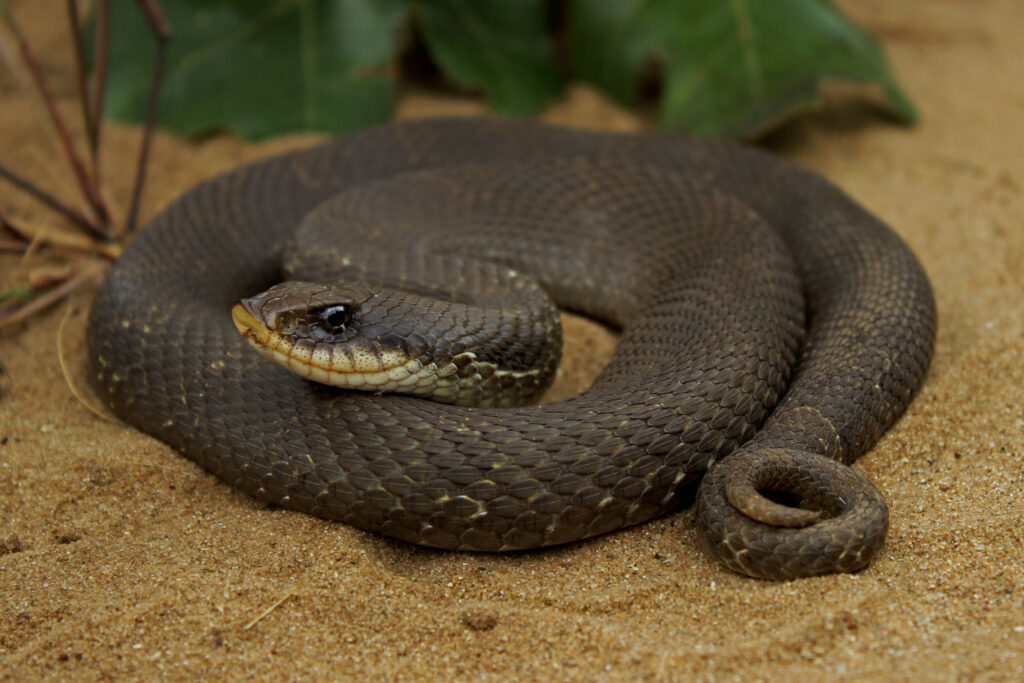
(772, 330)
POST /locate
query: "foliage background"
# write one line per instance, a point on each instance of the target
(718, 67)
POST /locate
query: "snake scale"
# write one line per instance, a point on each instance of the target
(771, 331)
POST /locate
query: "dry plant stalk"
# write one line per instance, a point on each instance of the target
(97, 232)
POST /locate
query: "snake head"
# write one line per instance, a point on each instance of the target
(301, 310)
(382, 339)
(334, 334)
(346, 335)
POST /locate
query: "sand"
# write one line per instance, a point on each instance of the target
(120, 558)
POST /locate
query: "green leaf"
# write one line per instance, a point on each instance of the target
(263, 67)
(258, 67)
(730, 67)
(499, 46)
(16, 294)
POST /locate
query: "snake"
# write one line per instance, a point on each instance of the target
(770, 331)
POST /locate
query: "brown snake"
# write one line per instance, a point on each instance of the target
(772, 330)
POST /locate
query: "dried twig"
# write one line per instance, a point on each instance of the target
(155, 17)
(10, 228)
(90, 192)
(45, 197)
(12, 247)
(99, 228)
(270, 609)
(15, 242)
(82, 80)
(157, 23)
(53, 296)
(64, 239)
(99, 72)
(9, 56)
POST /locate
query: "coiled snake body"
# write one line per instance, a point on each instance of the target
(772, 330)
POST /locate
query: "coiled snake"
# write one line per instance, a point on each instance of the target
(772, 330)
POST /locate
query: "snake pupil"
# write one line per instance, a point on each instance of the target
(335, 318)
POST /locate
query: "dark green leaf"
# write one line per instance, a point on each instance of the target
(259, 67)
(499, 46)
(730, 67)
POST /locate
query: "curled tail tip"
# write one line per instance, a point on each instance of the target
(759, 537)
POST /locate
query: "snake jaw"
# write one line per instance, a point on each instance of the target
(270, 344)
(377, 370)
(249, 326)
(370, 365)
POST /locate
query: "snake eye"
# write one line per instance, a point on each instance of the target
(335, 318)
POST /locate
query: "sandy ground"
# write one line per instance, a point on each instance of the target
(118, 557)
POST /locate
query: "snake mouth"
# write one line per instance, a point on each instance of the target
(248, 326)
(380, 371)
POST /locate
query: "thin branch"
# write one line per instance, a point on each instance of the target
(49, 200)
(101, 49)
(33, 246)
(12, 247)
(51, 297)
(32, 234)
(84, 182)
(82, 80)
(10, 228)
(155, 17)
(151, 9)
(19, 244)
(16, 244)
(9, 56)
